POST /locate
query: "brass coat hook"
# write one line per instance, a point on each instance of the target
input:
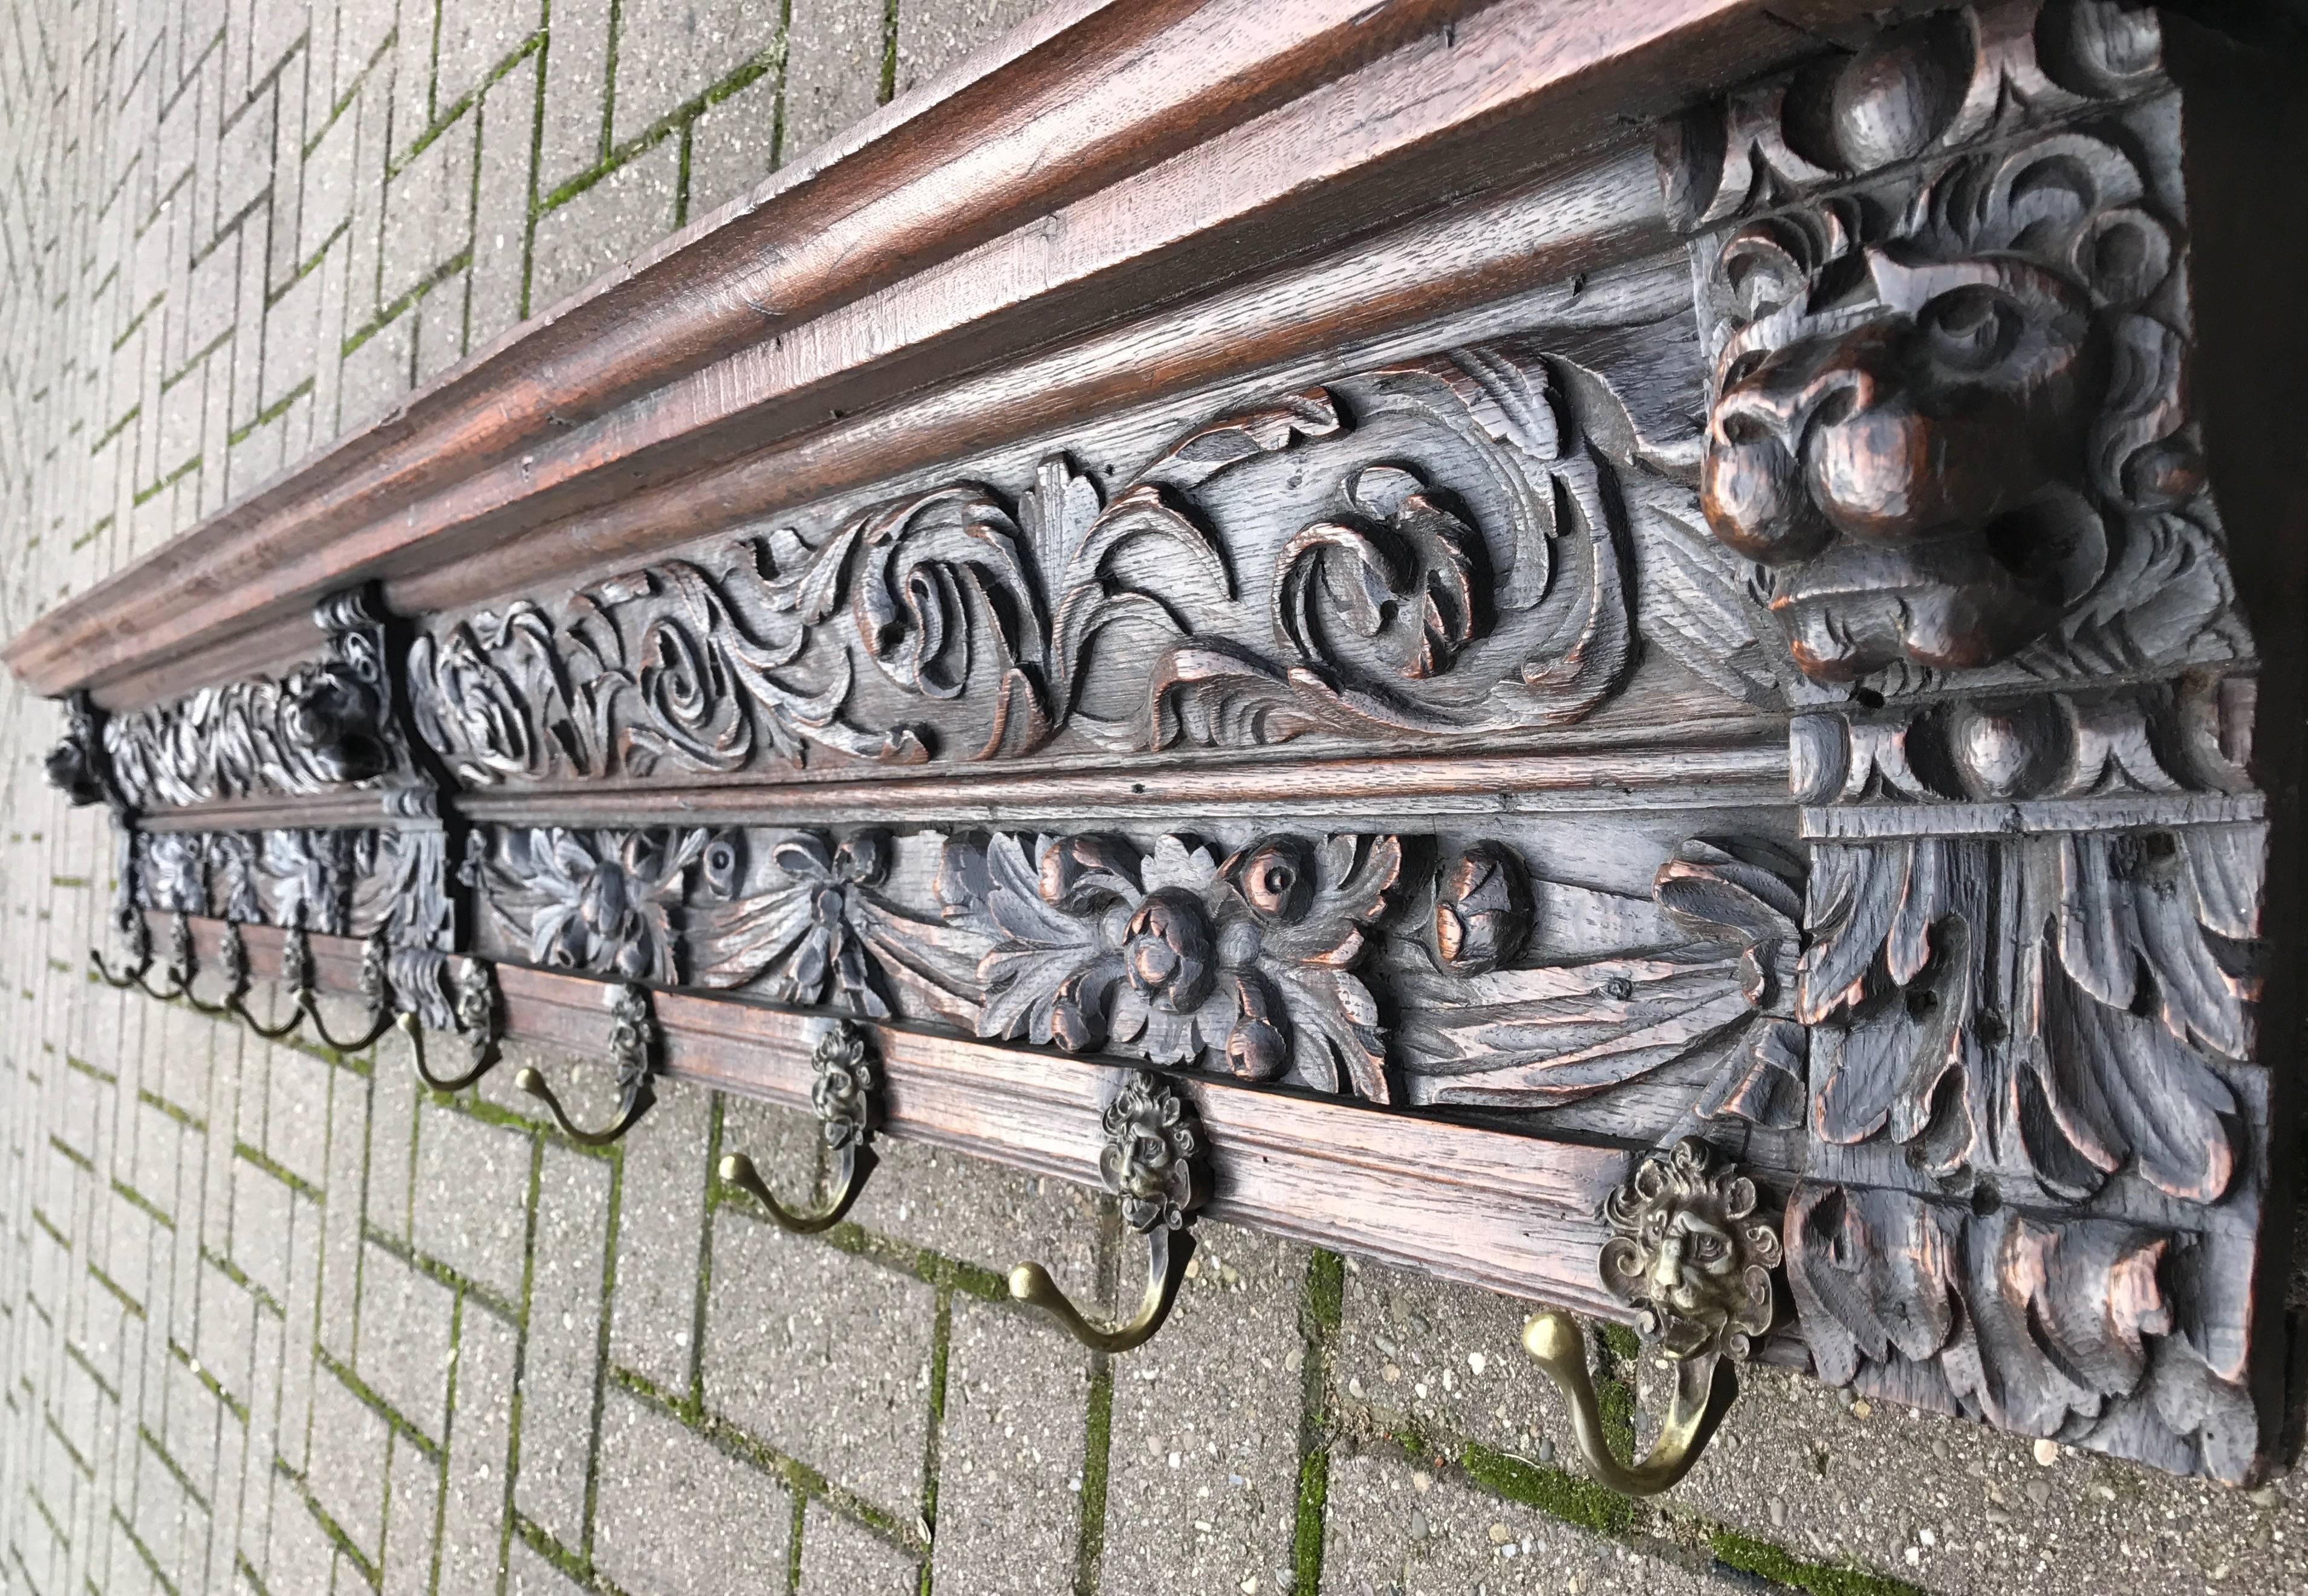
(139, 938)
(1150, 1161)
(376, 991)
(843, 1096)
(632, 1042)
(295, 974)
(233, 955)
(479, 1021)
(1689, 1253)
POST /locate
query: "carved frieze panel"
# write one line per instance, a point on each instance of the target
(322, 728)
(1444, 545)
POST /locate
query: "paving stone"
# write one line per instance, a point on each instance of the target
(842, 1557)
(345, 1474)
(933, 37)
(340, 1254)
(660, 1216)
(476, 36)
(412, 1507)
(984, 1214)
(1445, 1357)
(733, 145)
(480, 1444)
(671, 51)
(1955, 1505)
(1010, 1476)
(560, 1370)
(508, 129)
(428, 211)
(529, 1575)
(296, 1115)
(406, 1319)
(790, 1315)
(576, 89)
(684, 1518)
(1393, 1529)
(472, 1201)
(833, 70)
(1203, 1476)
(593, 232)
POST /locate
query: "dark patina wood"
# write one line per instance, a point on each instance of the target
(1594, 626)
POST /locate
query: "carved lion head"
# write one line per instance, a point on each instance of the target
(1928, 431)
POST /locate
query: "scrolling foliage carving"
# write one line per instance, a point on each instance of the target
(1949, 438)
(323, 727)
(961, 623)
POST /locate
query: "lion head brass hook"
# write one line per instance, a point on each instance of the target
(232, 955)
(632, 1042)
(843, 1097)
(480, 1020)
(376, 993)
(1689, 1253)
(1148, 1162)
(295, 974)
(139, 938)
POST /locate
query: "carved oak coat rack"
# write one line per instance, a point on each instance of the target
(1614, 651)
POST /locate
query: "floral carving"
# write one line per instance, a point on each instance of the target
(2134, 965)
(1482, 909)
(1179, 955)
(605, 902)
(1689, 1252)
(323, 726)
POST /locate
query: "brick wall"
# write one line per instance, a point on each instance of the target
(276, 1321)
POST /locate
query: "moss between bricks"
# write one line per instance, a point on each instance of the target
(1822, 1579)
(1553, 1492)
(1306, 1535)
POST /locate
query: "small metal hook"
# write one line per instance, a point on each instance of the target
(633, 1040)
(479, 1019)
(295, 974)
(842, 1096)
(1704, 1389)
(139, 937)
(1150, 1161)
(233, 955)
(1689, 1252)
(376, 992)
(178, 970)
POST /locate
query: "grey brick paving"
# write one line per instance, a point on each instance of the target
(276, 1323)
